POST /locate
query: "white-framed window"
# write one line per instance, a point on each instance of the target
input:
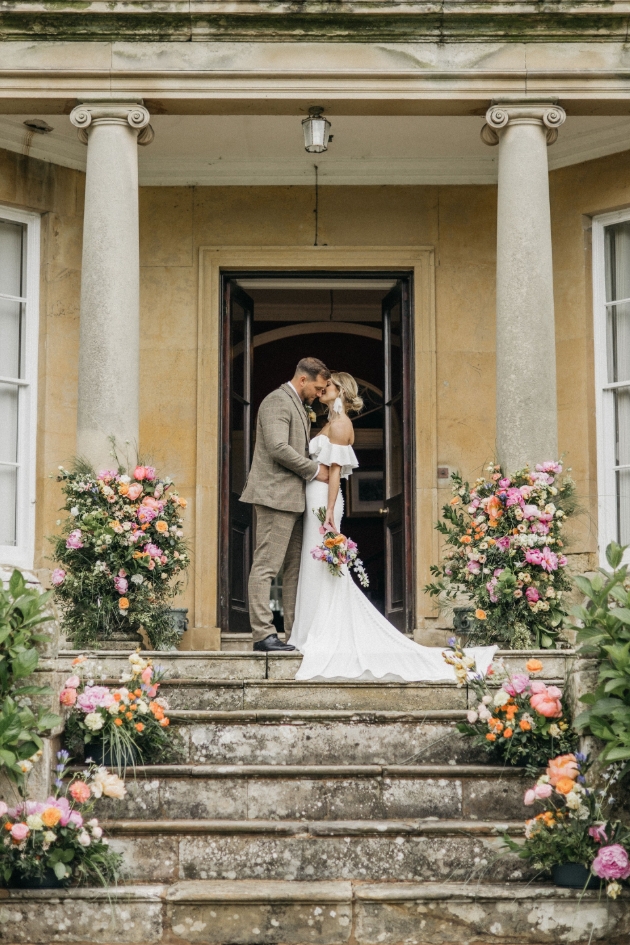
(611, 287)
(19, 332)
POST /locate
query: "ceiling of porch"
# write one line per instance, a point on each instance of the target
(254, 149)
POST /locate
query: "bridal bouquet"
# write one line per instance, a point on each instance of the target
(337, 550)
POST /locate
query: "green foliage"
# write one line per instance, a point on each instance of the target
(604, 632)
(23, 612)
(504, 552)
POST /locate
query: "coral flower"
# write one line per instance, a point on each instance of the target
(480, 614)
(183, 503)
(564, 785)
(139, 473)
(161, 526)
(80, 792)
(51, 816)
(123, 603)
(564, 766)
(139, 727)
(165, 722)
(465, 539)
(508, 733)
(491, 737)
(533, 666)
(68, 697)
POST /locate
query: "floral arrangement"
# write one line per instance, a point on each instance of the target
(504, 551)
(574, 826)
(125, 722)
(522, 722)
(120, 548)
(58, 835)
(336, 550)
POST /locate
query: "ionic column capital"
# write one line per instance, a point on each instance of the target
(545, 114)
(113, 113)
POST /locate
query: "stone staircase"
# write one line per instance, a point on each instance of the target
(314, 813)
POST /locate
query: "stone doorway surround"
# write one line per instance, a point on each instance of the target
(419, 260)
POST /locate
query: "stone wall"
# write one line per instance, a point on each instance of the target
(175, 221)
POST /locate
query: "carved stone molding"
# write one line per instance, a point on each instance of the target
(132, 114)
(546, 114)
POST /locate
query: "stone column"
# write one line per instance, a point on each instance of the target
(110, 307)
(527, 415)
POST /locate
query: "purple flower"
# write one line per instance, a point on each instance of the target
(611, 862)
(74, 539)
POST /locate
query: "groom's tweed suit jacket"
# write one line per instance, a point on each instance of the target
(281, 466)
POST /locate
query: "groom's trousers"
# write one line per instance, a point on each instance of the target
(278, 543)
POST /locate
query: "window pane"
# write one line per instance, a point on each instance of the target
(8, 505)
(8, 423)
(11, 338)
(11, 258)
(622, 458)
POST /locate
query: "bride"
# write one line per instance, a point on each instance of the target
(336, 628)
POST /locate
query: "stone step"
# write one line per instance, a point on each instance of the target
(320, 792)
(214, 912)
(320, 736)
(373, 850)
(204, 664)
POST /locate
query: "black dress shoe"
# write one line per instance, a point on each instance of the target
(271, 644)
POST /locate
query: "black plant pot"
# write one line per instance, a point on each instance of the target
(48, 881)
(574, 876)
(106, 756)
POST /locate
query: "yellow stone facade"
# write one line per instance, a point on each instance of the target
(454, 225)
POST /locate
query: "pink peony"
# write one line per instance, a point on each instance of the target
(598, 833)
(474, 567)
(106, 475)
(516, 684)
(149, 473)
(134, 491)
(151, 549)
(514, 497)
(74, 539)
(549, 560)
(20, 832)
(95, 697)
(68, 696)
(58, 577)
(503, 544)
(531, 511)
(549, 467)
(533, 556)
(504, 483)
(72, 682)
(146, 515)
(532, 594)
(546, 701)
(121, 584)
(139, 473)
(153, 503)
(610, 863)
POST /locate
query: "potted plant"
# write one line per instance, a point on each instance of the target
(522, 722)
(572, 837)
(56, 842)
(119, 555)
(120, 725)
(504, 551)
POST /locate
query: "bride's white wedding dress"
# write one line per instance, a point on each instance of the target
(336, 628)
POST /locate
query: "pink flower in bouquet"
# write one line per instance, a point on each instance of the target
(504, 483)
(80, 792)
(491, 588)
(134, 491)
(610, 863)
(74, 539)
(149, 473)
(562, 561)
(121, 584)
(3, 808)
(564, 766)
(106, 475)
(503, 544)
(20, 832)
(75, 818)
(146, 515)
(549, 467)
(147, 675)
(533, 556)
(516, 684)
(352, 545)
(152, 503)
(598, 833)
(538, 793)
(152, 691)
(532, 594)
(474, 567)
(72, 682)
(531, 512)
(95, 697)
(153, 550)
(514, 497)
(549, 560)
(140, 473)
(58, 577)
(546, 701)
(68, 696)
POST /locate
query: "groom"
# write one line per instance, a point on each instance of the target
(276, 487)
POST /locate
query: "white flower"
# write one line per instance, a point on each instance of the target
(35, 822)
(487, 700)
(142, 707)
(573, 801)
(550, 509)
(25, 766)
(108, 784)
(94, 721)
(472, 716)
(125, 479)
(501, 698)
(484, 714)
(50, 837)
(113, 709)
(84, 838)
(74, 511)
(554, 731)
(613, 890)
(137, 579)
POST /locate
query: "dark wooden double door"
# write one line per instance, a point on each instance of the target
(238, 425)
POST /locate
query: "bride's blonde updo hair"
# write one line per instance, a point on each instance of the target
(348, 390)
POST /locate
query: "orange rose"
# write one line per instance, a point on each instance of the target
(123, 603)
(508, 733)
(480, 614)
(51, 816)
(117, 721)
(129, 715)
(564, 785)
(137, 692)
(340, 539)
(123, 488)
(139, 727)
(524, 725)
(330, 543)
(564, 766)
(165, 722)
(161, 526)
(491, 737)
(455, 500)
(533, 666)
(183, 503)
(116, 696)
(465, 539)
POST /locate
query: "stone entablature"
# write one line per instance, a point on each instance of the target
(349, 21)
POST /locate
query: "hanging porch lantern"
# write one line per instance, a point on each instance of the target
(316, 130)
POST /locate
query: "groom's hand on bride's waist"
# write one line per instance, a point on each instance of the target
(322, 474)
